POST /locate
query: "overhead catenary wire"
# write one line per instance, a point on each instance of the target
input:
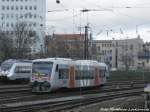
(115, 11)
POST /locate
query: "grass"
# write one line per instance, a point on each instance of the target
(129, 75)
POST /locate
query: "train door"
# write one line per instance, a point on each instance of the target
(72, 77)
(97, 77)
(102, 75)
(63, 75)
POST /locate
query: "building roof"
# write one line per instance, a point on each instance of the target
(69, 37)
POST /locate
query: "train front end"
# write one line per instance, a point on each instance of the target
(41, 76)
(5, 71)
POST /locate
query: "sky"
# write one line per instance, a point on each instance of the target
(108, 19)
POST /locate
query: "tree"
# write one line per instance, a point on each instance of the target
(67, 49)
(24, 39)
(127, 59)
(6, 46)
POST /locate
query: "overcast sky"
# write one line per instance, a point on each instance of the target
(108, 18)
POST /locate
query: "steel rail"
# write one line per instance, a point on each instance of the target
(61, 105)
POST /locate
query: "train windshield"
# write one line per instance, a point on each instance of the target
(42, 68)
(6, 66)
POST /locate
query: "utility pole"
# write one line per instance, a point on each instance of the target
(86, 43)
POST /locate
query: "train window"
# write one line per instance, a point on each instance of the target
(6, 66)
(102, 73)
(84, 74)
(63, 73)
(42, 68)
(23, 69)
(57, 68)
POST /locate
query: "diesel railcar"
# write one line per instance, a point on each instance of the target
(54, 73)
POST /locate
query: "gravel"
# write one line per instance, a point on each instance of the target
(125, 103)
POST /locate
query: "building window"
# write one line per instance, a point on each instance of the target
(30, 7)
(34, 24)
(26, 8)
(12, 16)
(7, 7)
(21, 7)
(7, 24)
(30, 15)
(12, 7)
(131, 47)
(25, 15)
(99, 48)
(7, 16)
(35, 8)
(21, 16)
(34, 15)
(16, 7)
(3, 7)
(3, 16)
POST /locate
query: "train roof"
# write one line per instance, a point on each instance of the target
(17, 61)
(103, 64)
(53, 59)
(68, 60)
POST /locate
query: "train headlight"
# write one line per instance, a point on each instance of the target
(33, 84)
(46, 84)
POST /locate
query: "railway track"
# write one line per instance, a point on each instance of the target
(18, 93)
(34, 97)
(26, 87)
(13, 88)
(62, 103)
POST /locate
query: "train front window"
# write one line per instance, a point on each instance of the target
(42, 68)
(6, 66)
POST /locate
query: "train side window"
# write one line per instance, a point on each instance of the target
(63, 73)
(102, 73)
(57, 68)
(23, 69)
(84, 74)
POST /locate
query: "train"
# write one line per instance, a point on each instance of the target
(51, 74)
(13, 69)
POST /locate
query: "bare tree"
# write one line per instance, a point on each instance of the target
(6, 46)
(24, 39)
(59, 48)
(127, 59)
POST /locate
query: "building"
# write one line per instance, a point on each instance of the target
(33, 12)
(144, 57)
(125, 53)
(118, 54)
(65, 45)
(103, 52)
(69, 37)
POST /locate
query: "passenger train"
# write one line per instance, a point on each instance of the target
(13, 69)
(54, 73)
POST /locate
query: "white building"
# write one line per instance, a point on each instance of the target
(117, 52)
(103, 51)
(31, 11)
(125, 53)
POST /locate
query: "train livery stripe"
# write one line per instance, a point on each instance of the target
(71, 77)
(84, 83)
(97, 78)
